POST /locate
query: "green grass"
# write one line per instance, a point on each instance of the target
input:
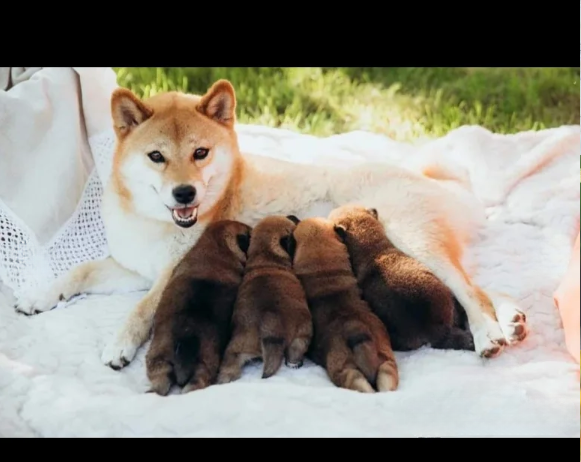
(404, 103)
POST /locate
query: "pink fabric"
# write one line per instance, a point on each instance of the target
(567, 301)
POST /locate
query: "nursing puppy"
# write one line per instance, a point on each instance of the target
(271, 317)
(416, 307)
(349, 341)
(192, 322)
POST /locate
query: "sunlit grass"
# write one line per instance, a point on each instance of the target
(404, 103)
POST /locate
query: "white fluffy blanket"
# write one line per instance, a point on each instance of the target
(52, 382)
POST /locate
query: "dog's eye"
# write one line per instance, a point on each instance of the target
(156, 157)
(201, 153)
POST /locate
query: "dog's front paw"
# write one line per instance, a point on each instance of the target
(513, 322)
(489, 340)
(44, 301)
(119, 353)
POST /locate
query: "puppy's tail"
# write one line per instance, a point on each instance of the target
(360, 342)
(186, 353)
(273, 343)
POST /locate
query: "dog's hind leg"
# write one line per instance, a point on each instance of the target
(94, 277)
(135, 331)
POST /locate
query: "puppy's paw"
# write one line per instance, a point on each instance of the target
(387, 377)
(361, 385)
(193, 386)
(489, 340)
(293, 365)
(161, 388)
(227, 377)
(41, 302)
(119, 353)
(513, 322)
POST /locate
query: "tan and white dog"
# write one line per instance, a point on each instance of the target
(177, 167)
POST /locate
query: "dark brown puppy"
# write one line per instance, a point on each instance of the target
(192, 322)
(416, 307)
(271, 318)
(349, 341)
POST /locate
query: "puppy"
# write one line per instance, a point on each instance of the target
(416, 307)
(349, 341)
(192, 321)
(271, 317)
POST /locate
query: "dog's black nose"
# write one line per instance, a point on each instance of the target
(184, 193)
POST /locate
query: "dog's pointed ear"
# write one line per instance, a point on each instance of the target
(373, 213)
(219, 103)
(341, 231)
(128, 111)
(289, 244)
(243, 241)
(294, 219)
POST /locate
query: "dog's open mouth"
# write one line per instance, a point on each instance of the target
(185, 216)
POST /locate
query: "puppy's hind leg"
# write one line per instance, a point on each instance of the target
(235, 357)
(387, 373)
(93, 277)
(349, 377)
(201, 379)
(160, 374)
(297, 349)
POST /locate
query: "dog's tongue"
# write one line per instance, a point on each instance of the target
(185, 212)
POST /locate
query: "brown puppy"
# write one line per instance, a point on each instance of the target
(349, 341)
(271, 318)
(192, 321)
(416, 307)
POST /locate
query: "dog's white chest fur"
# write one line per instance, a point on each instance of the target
(140, 244)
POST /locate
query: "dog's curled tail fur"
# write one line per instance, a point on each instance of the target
(360, 341)
(272, 340)
(186, 353)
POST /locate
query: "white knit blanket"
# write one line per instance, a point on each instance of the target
(52, 382)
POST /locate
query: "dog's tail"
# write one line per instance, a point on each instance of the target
(360, 341)
(272, 339)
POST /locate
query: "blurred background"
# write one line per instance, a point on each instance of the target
(403, 103)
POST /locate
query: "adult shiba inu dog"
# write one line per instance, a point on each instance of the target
(177, 167)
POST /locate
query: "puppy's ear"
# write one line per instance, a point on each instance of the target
(294, 219)
(289, 244)
(219, 103)
(373, 213)
(128, 111)
(243, 241)
(341, 231)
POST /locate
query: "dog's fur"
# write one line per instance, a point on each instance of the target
(422, 217)
(414, 305)
(271, 318)
(191, 326)
(349, 340)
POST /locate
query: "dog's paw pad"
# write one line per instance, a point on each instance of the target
(513, 322)
(118, 355)
(489, 340)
